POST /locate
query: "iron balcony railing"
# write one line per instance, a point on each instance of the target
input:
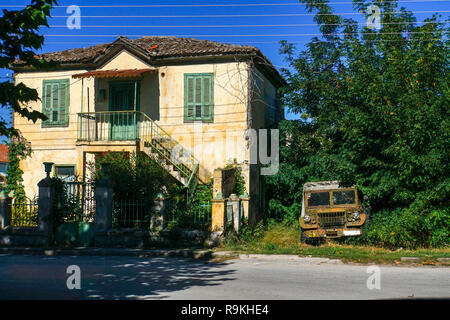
(109, 126)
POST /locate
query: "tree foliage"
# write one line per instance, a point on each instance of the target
(19, 39)
(134, 176)
(18, 150)
(375, 113)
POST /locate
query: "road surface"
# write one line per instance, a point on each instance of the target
(44, 277)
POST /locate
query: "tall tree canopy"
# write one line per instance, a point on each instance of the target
(19, 39)
(375, 113)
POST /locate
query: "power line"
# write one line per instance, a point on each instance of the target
(244, 35)
(261, 42)
(219, 5)
(251, 15)
(252, 25)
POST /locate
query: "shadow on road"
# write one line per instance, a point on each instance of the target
(106, 278)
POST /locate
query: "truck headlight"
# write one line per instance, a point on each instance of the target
(355, 215)
(307, 219)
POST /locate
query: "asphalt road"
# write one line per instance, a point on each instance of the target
(42, 277)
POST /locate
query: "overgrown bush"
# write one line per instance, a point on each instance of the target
(374, 113)
(134, 176)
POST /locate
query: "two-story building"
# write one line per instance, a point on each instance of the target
(189, 101)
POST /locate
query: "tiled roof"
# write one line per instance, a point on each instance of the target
(4, 153)
(154, 47)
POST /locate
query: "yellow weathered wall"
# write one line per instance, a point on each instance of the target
(123, 61)
(56, 144)
(263, 100)
(213, 144)
(162, 98)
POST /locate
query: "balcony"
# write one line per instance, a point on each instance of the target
(113, 126)
(135, 128)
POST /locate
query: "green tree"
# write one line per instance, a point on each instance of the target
(18, 41)
(375, 113)
(18, 149)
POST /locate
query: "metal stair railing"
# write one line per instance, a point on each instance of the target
(133, 125)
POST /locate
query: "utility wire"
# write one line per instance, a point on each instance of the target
(244, 35)
(220, 5)
(250, 15)
(253, 25)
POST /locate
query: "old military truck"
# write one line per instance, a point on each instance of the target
(329, 211)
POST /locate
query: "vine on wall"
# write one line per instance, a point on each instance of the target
(18, 150)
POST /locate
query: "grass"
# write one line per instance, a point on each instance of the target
(281, 239)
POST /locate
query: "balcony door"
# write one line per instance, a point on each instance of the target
(123, 122)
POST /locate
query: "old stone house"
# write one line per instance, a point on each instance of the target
(190, 100)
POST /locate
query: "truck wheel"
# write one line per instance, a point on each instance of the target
(302, 236)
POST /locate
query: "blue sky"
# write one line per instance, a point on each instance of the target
(262, 25)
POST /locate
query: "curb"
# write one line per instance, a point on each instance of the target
(141, 253)
(289, 257)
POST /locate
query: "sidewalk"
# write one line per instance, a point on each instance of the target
(196, 253)
(141, 253)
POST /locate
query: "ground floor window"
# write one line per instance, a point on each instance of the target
(65, 172)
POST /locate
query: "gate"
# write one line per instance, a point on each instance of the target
(75, 205)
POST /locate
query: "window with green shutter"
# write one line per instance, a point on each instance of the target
(55, 102)
(199, 97)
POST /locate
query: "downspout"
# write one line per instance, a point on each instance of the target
(81, 107)
(134, 113)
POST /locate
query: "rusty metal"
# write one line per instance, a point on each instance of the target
(128, 73)
(327, 219)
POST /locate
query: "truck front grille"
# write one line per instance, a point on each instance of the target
(332, 219)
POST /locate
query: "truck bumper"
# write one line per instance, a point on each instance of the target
(332, 233)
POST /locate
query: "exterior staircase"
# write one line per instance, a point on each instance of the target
(113, 126)
(169, 153)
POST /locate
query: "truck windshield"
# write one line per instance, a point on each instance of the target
(344, 197)
(318, 199)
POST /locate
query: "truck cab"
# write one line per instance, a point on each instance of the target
(330, 211)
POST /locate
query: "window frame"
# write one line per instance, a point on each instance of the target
(202, 118)
(47, 111)
(56, 166)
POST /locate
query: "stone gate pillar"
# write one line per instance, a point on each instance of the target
(103, 202)
(45, 204)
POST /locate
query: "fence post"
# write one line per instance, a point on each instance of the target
(5, 210)
(218, 213)
(245, 198)
(103, 202)
(236, 212)
(158, 219)
(45, 204)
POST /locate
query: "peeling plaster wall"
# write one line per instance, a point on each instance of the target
(56, 144)
(162, 98)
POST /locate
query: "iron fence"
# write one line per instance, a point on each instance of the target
(24, 213)
(77, 201)
(198, 216)
(134, 214)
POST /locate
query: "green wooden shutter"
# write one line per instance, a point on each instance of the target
(55, 102)
(199, 97)
(189, 98)
(208, 98)
(46, 102)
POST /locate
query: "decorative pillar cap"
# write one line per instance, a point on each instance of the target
(48, 168)
(244, 196)
(159, 196)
